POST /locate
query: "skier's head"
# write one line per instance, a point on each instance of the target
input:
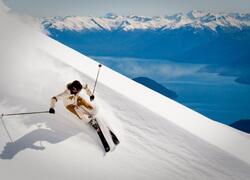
(75, 87)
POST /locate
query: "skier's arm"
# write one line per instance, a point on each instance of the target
(54, 99)
(88, 91)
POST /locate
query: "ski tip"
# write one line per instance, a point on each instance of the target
(117, 142)
(107, 149)
(106, 152)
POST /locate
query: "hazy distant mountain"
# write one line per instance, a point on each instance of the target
(243, 125)
(239, 67)
(156, 87)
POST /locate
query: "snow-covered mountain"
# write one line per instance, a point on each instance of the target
(160, 138)
(195, 37)
(111, 22)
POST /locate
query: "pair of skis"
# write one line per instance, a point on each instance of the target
(105, 144)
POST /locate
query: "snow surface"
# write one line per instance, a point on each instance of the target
(195, 19)
(160, 138)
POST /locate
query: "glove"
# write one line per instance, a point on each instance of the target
(52, 111)
(92, 97)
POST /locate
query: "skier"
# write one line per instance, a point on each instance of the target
(74, 102)
(82, 108)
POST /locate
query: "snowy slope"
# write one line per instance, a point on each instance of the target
(112, 22)
(160, 138)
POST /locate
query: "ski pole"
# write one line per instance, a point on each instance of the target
(16, 114)
(97, 77)
(6, 129)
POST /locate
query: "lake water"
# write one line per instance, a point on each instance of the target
(217, 97)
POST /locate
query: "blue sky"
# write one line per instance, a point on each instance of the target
(123, 7)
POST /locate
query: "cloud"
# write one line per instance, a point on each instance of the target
(25, 69)
(160, 70)
(26, 19)
(3, 7)
(32, 22)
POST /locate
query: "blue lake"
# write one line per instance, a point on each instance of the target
(217, 97)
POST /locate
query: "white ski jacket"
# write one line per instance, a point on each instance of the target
(68, 98)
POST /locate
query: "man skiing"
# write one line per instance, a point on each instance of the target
(74, 102)
(82, 108)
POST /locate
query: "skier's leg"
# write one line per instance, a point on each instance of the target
(86, 107)
(71, 108)
(81, 114)
(91, 114)
(84, 115)
(83, 102)
(75, 110)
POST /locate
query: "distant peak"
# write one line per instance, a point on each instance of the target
(110, 15)
(139, 18)
(194, 14)
(175, 16)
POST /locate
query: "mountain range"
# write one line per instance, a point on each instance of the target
(113, 22)
(192, 37)
(221, 39)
